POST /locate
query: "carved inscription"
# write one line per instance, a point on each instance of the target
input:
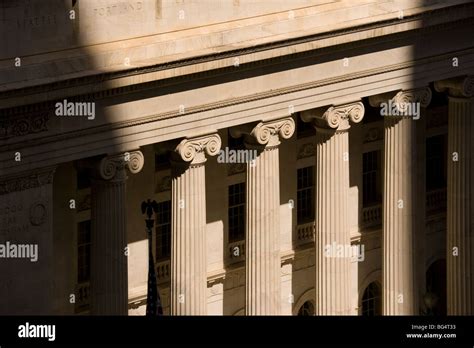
(119, 8)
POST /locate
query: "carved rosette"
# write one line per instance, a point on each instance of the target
(268, 133)
(114, 167)
(461, 87)
(164, 184)
(335, 118)
(236, 168)
(306, 150)
(373, 134)
(194, 150)
(21, 125)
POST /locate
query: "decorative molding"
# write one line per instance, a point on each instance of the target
(437, 117)
(38, 213)
(373, 134)
(236, 168)
(72, 84)
(306, 150)
(461, 87)
(194, 150)
(113, 167)
(335, 118)
(231, 102)
(27, 181)
(22, 125)
(218, 278)
(84, 202)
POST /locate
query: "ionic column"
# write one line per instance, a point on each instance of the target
(188, 236)
(109, 274)
(399, 194)
(459, 239)
(332, 184)
(262, 242)
(262, 263)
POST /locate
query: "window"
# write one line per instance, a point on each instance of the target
(435, 162)
(236, 212)
(305, 195)
(371, 178)
(371, 304)
(307, 309)
(163, 230)
(84, 251)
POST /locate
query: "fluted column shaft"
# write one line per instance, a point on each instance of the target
(400, 149)
(109, 266)
(459, 220)
(397, 249)
(332, 183)
(262, 264)
(109, 274)
(188, 238)
(459, 248)
(332, 226)
(262, 241)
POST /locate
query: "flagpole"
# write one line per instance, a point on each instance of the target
(153, 303)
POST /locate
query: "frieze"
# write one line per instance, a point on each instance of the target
(30, 181)
(23, 125)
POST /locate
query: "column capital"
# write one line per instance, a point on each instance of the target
(462, 86)
(421, 95)
(193, 150)
(335, 118)
(266, 133)
(114, 167)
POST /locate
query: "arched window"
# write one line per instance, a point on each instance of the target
(371, 304)
(307, 309)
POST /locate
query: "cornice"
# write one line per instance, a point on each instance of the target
(234, 101)
(94, 80)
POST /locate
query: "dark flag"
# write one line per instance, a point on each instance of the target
(153, 301)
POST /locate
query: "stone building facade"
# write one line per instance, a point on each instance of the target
(354, 197)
